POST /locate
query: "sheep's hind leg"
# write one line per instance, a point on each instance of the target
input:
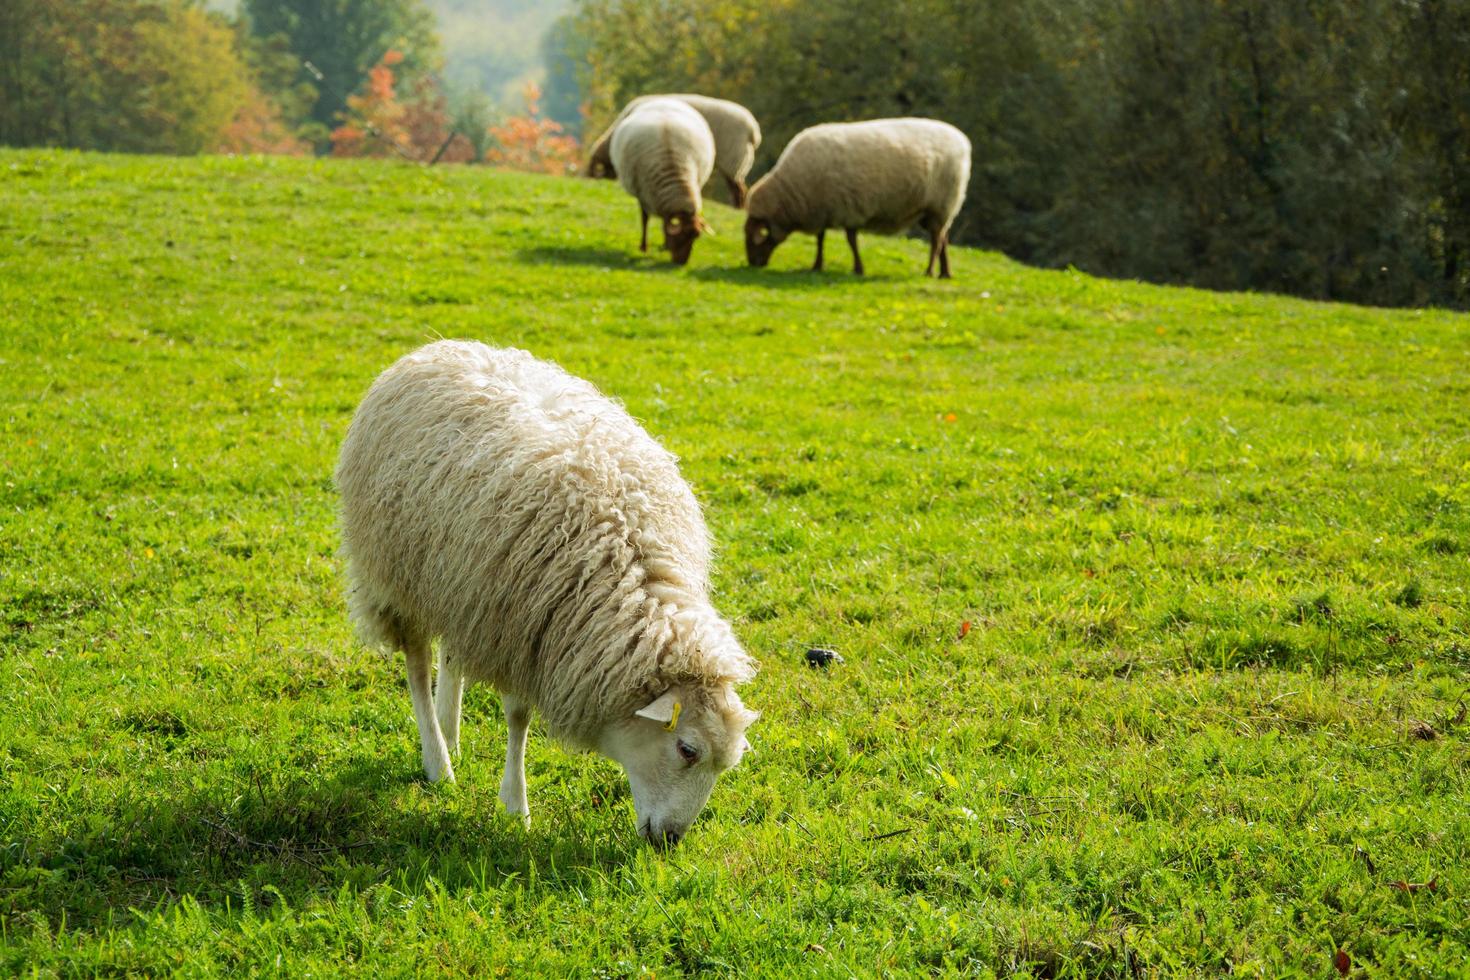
(643, 242)
(934, 246)
(857, 260)
(513, 782)
(449, 697)
(821, 236)
(944, 256)
(436, 756)
(737, 192)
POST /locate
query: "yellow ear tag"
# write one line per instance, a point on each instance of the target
(674, 718)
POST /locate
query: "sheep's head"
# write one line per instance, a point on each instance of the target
(601, 165)
(761, 239)
(680, 231)
(673, 749)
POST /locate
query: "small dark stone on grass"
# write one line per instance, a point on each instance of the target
(821, 657)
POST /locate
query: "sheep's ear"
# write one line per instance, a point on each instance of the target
(704, 226)
(664, 709)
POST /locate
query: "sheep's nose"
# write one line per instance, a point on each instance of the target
(665, 839)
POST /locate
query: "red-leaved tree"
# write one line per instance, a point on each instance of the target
(533, 143)
(373, 122)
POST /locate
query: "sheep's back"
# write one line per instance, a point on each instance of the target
(878, 176)
(496, 500)
(663, 152)
(734, 128)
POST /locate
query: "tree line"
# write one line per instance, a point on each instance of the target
(1318, 147)
(350, 77)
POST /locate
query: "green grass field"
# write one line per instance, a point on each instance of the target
(1213, 550)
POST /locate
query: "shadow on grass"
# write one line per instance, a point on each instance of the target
(634, 261)
(631, 260)
(785, 278)
(256, 844)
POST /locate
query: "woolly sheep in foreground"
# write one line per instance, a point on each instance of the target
(882, 176)
(664, 153)
(511, 510)
(736, 132)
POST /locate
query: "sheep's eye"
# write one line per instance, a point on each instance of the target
(687, 752)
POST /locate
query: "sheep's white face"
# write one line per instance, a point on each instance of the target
(673, 749)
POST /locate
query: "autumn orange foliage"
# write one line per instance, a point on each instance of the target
(377, 123)
(530, 142)
(257, 127)
(373, 121)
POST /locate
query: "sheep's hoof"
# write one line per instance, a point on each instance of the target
(520, 810)
(439, 772)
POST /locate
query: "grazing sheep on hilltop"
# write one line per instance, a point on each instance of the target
(881, 176)
(498, 503)
(736, 132)
(664, 152)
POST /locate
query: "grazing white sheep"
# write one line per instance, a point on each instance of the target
(882, 176)
(663, 152)
(496, 502)
(736, 132)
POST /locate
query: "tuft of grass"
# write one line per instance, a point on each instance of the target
(1176, 738)
(1411, 596)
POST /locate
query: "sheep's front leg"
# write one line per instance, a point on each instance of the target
(934, 242)
(944, 256)
(643, 242)
(821, 236)
(449, 697)
(857, 260)
(436, 755)
(513, 783)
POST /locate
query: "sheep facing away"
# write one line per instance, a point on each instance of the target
(664, 152)
(736, 132)
(882, 176)
(495, 502)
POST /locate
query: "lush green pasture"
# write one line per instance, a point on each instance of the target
(1213, 551)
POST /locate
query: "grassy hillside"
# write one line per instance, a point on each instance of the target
(1212, 551)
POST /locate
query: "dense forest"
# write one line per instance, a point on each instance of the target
(1320, 147)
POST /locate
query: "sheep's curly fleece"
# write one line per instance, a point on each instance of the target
(881, 175)
(664, 153)
(735, 130)
(496, 501)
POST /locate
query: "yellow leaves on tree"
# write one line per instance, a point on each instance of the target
(258, 128)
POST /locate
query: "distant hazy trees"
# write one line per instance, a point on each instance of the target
(1319, 147)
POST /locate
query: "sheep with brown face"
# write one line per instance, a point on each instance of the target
(664, 152)
(883, 176)
(736, 132)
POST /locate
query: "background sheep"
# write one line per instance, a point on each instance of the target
(736, 132)
(664, 152)
(881, 176)
(496, 502)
